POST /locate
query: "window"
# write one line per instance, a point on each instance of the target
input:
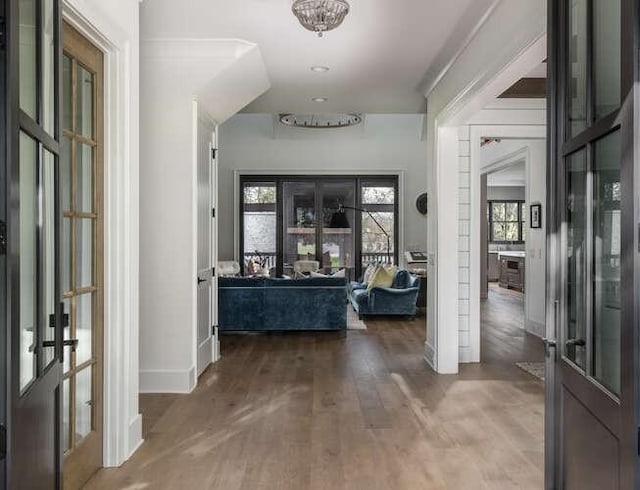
(506, 221)
(290, 218)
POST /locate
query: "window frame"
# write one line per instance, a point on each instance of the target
(521, 220)
(358, 180)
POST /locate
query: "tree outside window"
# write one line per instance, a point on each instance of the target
(506, 221)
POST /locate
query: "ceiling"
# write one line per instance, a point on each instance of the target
(511, 176)
(377, 58)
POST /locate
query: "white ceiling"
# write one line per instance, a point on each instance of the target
(513, 175)
(377, 58)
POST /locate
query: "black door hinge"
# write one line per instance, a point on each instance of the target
(213, 329)
(3, 33)
(213, 272)
(638, 441)
(214, 152)
(3, 442)
(213, 212)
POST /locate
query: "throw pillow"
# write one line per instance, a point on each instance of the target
(383, 277)
(316, 274)
(340, 273)
(368, 273)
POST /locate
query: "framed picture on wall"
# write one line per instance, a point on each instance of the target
(535, 215)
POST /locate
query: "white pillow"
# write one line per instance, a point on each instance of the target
(340, 273)
(316, 274)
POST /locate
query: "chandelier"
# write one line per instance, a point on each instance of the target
(320, 15)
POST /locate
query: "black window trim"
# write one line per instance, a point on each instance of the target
(521, 217)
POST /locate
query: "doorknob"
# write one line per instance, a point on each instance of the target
(200, 281)
(73, 343)
(548, 345)
(575, 342)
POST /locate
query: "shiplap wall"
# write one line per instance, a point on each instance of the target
(464, 242)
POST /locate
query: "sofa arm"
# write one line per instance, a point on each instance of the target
(399, 301)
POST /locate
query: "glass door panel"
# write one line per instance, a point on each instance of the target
(259, 226)
(606, 56)
(575, 293)
(28, 258)
(47, 254)
(577, 67)
(378, 225)
(28, 49)
(299, 222)
(606, 262)
(338, 246)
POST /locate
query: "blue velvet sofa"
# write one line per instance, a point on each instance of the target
(263, 304)
(399, 299)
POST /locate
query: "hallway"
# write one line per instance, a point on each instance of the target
(350, 411)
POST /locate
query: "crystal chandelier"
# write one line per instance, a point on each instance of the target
(320, 15)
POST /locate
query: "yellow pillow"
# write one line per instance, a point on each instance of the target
(383, 277)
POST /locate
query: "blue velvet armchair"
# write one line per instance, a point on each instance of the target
(399, 299)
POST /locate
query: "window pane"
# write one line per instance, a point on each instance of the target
(65, 255)
(511, 211)
(66, 416)
(499, 211)
(28, 32)
(66, 93)
(606, 274)
(375, 246)
(84, 178)
(499, 232)
(65, 174)
(259, 218)
(84, 404)
(512, 231)
(84, 102)
(48, 65)
(84, 327)
(299, 222)
(577, 66)
(84, 252)
(47, 254)
(28, 252)
(575, 261)
(378, 194)
(337, 234)
(606, 49)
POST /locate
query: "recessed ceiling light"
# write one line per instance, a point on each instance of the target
(319, 99)
(320, 69)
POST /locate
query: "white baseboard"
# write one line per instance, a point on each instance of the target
(466, 355)
(430, 356)
(135, 434)
(205, 355)
(167, 381)
(535, 328)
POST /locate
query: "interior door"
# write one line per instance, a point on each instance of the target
(82, 256)
(33, 222)
(592, 421)
(205, 213)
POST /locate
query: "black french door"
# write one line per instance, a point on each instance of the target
(31, 310)
(592, 432)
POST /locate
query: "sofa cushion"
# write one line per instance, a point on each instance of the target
(383, 277)
(360, 296)
(401, 279)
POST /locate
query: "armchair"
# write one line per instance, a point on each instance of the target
(399, 299)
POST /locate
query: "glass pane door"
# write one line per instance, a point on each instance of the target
(259, 227)
(299, 200)
(338, 246)
(378, 224)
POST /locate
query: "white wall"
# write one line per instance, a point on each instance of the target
(114, 27)
(383, 143)
(222, 75)
(505, 193)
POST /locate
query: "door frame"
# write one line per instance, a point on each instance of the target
(122, 421)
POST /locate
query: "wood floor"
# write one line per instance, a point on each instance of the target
(354, 410)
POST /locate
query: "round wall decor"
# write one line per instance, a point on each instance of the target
(421, 203)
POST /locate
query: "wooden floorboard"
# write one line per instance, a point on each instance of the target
(354, 410)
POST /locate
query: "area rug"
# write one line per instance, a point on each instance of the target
(353, 322)
(534, 368)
